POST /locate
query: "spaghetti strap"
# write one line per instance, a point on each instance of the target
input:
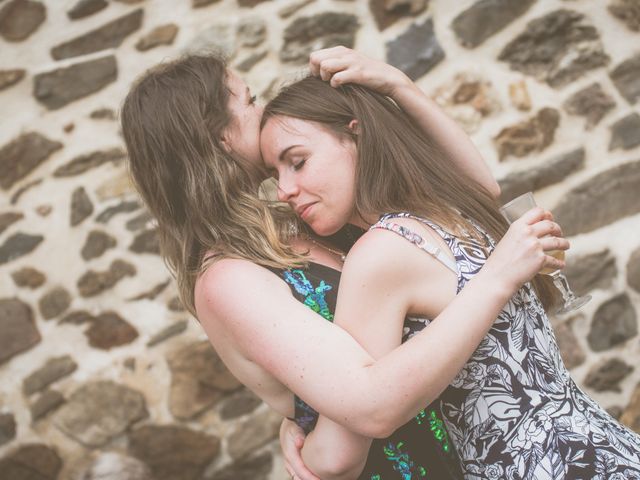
(418, 241)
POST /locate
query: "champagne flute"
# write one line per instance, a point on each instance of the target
(514, 210)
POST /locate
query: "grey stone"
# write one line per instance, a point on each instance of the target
(625, 133)
(153, 292)
(550, 172)
(19, 331)
(103, 114)
(600, 200)
(32, 461)
(109, 330)
(591, 102)
(24, 188)
(9, 218)
(115, 466)
(628, 11)
(59, 87)
(174, 452)
(110, 35)
(146, 242)
(122, 207)
(250, 3)
(533, 135)
(77, 317)
(11, 77)
(171, 331)
(162, 35)
(292, 8)
(93, 283)
(219, 37)
(387, 12)
(572, 353)
(254, 468)
(202, 3)
(251, 60)
(55, 369)
(486, 18)
(54, 302)
(631, 414)
(199, 379)
(91, 160)
(626, 78)
(22, 155)
(607, 375)
(175, 305)
(252, 32)
(557, 48)
(613, 323)
(45, 403)
(84, 8)
(253, 432)
(238, 404)
(416, 51)
(139, 222)
(7, 428)
(20, 18)
(327, 29)
(615, 411)
(588, 272)
(81, 206)
(97, 243)
(28, 277)
(18, 245)
(633, 270)
(99, 411)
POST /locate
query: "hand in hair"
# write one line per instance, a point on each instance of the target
(341, 65)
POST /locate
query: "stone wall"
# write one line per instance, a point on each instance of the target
(104, 375)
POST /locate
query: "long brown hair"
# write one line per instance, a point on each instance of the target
(203, 198)
(398, 168)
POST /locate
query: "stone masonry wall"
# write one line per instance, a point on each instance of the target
(102, 372)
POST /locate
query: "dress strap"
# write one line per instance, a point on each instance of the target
(418, 241)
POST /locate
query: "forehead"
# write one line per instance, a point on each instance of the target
(235, 83)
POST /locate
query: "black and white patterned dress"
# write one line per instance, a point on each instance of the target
(514, 412)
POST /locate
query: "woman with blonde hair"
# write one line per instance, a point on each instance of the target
(192, 129)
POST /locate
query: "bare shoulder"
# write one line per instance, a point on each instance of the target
(226, 285)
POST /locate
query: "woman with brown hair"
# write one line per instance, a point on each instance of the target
(350, 155)
(191, 128)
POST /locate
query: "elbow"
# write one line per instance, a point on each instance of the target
(331, 465)
(381, 423)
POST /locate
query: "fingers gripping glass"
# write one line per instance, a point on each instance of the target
(513, 211)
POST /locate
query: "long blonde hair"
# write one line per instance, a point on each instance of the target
(397, 168)
(203, 198)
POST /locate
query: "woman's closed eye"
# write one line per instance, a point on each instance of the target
(297, 165)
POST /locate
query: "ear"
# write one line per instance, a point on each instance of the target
(354, 126)
(224, 142)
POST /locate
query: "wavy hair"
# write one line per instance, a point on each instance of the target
(398, 168)
(203, 198)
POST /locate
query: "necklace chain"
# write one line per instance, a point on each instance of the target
(338, 253)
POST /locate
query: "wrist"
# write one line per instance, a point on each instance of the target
(401, 85)
(496, 287)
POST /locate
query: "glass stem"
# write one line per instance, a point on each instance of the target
(561, 283)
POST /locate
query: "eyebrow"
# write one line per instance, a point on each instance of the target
(285, 151)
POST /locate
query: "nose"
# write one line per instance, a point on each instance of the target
(287, 189)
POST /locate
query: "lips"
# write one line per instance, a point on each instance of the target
(303, 211)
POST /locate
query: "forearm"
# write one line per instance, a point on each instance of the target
(332, 452)
(447, 135)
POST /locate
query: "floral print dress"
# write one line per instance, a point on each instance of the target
(420, 449)
(514, 412)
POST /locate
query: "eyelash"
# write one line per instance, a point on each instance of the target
(252, 99)
(299, 165)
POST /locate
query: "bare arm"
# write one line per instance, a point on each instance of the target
(341, 65)
(253, 310)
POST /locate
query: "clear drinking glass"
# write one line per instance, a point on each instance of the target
(514, 210)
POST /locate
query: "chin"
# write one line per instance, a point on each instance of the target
(323, 229)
